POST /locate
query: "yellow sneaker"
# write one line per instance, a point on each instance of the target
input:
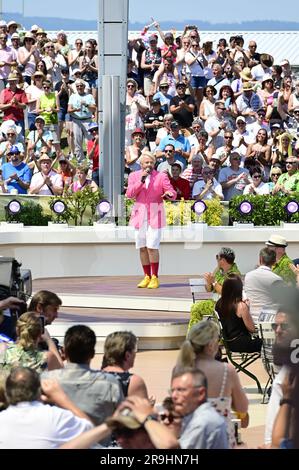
(154, 283)
(145, 281)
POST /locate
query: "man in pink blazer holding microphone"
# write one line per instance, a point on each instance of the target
(149, 187)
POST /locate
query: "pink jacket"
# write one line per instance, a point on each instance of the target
(148, 201)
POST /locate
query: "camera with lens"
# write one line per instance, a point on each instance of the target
(15, 282)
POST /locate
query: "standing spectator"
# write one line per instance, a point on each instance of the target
(182, 106)
(64, 90)
(150, 62)
(163, 95)
(218, 80)
(74, 55)
(88, 64)
(233, 178)
(133, 152)
(152, 122)
(197, 63)
(54, 61)
(81, 107)
(48, 107)
(180, 143)
(38, 138)
(8, 59)
(11, 140)
(13, 101)
(28, 56)
(248, 103)
(34, 92)
(135, 108)
(93, 151)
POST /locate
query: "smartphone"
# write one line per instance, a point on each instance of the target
(42, 320)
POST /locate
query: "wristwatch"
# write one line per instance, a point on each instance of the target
(151, 417)
(286, 401)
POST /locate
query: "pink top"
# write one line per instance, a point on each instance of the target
(149, 202)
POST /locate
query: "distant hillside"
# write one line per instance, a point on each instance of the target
(82, 25)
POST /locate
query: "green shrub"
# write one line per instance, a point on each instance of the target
(81, 204)
(199, 309)
(180, 213)
(31, 214)
(267, 210)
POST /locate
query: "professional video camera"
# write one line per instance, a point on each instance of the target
(15, 282)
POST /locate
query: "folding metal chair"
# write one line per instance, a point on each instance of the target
(268, 337)
(240, 361)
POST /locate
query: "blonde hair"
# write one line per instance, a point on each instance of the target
(198, 337)
(29, 329)
(147, 154)
(284, 136)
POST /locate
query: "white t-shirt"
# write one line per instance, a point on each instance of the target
(262, 188)
(37, 180)
(199, 186)
(33, 425)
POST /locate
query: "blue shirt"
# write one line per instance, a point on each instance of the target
(22, 170)
(180, 143)
(82, 102)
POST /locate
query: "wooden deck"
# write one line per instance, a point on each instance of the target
(170, 286)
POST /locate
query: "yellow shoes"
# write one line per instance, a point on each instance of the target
(154, 283)
(145, 282)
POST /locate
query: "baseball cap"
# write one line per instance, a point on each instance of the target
(3, 23)
(92, 126)
(64, 70)
(62, 159)
(156, 101)
(39, 118)
(153, 37)
(34, 27)
(14, 150)
(180, 83)
(15, 36)
(168, 35)
(240, 118)
(174, 125)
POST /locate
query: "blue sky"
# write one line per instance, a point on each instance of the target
(140, 10)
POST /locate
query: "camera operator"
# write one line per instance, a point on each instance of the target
(7, 324)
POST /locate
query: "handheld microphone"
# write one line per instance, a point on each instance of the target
(143, 178)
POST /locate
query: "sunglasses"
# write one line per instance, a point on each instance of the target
(79, 43)
(50, 47)
(283, 326)
(276, 174)
(228, 137)
(164, 87)
(256, 177)
(46, 87)
(130, 86)
(170, 418)
(10, 133)
(168, 151)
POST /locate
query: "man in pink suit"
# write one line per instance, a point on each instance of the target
(149, 187)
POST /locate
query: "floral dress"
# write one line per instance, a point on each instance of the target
(16, 356)
(223, 406)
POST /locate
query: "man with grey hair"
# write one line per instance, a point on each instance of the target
(202, 426)
(257, 284)
(197, 126)
(233, 178)
(81, 107)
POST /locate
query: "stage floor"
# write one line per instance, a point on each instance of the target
(171, 287)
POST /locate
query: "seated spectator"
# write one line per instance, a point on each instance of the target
(163, 95)
(180, 185)
(233, 178)
(181, 144)
(208, 187)
(283, 265)
(225, 392)
(67, 171)
(39, 137)
(256, 186)
(207, 106)
(25, 351)
(15, 173)
(234, 314)
(13, 102)
(82, 181)
(119, 355)
(133, 151)
(45, 426)
(202, 426)
(259, 153)
(97, 394)
(11, 139)
(225, 265)
(169, 159)
(200, 146)
(275, 173)
(194, 171)
(46, 182)
(288, 183)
